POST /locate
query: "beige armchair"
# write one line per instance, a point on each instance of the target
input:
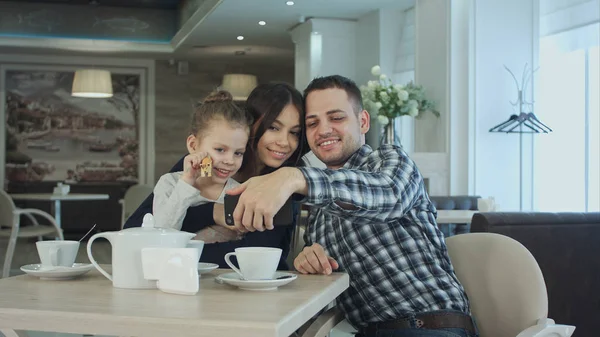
(10, 226)
(505, 286)
(134, 196)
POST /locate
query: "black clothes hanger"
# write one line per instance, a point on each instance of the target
(524, 122)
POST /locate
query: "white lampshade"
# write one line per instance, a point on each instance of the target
(94, 83)
(239, 85)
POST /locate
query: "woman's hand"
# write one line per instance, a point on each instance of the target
(214, 234)
(219, 215)
(191, 166)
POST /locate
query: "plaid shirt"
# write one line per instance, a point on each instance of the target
(388, 243)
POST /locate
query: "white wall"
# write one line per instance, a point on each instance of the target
(462, 110)
(505, 33)
(432, 71)
(301, 35)
(338, 48)
(324, 47)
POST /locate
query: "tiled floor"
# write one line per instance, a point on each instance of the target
(26, 253)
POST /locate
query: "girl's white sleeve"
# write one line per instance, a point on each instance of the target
(172, 198)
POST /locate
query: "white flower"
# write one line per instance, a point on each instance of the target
(413, 104)
(383, 120)
(372, 84)
(384, 96)
(413, 112)
(402, 95)
(398, 87)
(382, 77)
(376, 70)
(378, 105)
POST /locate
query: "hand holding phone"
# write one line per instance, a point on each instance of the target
(284, 217)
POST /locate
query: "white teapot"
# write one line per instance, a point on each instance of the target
(127, 244)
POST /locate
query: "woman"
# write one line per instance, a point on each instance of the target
(277, 139)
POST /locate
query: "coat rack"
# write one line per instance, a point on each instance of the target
(525, 122)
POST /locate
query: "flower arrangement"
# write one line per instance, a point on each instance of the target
(388, 100)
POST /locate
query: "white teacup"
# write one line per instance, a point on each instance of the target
(486, 205)
(256, 263)
(57, 253)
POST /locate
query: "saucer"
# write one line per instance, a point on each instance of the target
(57, 273)
(235, 280)
(204, 267)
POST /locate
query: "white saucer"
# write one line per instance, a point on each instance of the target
(235, 280)
(57, 273)
(204, 267)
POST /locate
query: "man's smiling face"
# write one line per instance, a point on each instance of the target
(333, 129)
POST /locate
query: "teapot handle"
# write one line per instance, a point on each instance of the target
(89, 253)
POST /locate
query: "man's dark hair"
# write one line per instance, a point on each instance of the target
(339, 82)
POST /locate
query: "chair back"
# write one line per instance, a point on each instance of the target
(134, 196)
(7, 210)
(503, 281)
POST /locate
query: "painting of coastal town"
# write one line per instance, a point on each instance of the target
(53, 136)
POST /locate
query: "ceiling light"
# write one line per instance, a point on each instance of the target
(93, 83)
(262, 23)
(289, 3)
(239, 85)
(240, 38)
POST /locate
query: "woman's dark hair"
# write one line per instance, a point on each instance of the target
(264, 104)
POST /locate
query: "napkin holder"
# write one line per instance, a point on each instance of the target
(174, 269)
(61, 189)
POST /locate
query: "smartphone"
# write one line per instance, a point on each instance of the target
(284, 217)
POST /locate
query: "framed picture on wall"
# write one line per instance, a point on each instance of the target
(53, 136)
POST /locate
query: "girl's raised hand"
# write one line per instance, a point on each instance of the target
(192, 166)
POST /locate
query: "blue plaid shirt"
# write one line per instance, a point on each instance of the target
(388, 243)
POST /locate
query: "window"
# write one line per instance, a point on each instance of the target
(566, 161)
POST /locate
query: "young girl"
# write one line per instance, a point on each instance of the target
(219, 132)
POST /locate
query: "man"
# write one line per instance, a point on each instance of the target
(371, 217)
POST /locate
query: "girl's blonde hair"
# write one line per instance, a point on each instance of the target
(219, 104)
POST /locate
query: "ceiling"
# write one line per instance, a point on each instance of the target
(211, 30)
(156, 4)
(216, 35)
(240, 17)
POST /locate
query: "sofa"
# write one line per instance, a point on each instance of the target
(567, 249)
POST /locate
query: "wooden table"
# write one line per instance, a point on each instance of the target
(90, 305)
(57, 198)
(454, 216)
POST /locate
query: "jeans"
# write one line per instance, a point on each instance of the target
(415, 331)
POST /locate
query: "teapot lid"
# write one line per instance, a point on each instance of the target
(148, 221)
(148, 227)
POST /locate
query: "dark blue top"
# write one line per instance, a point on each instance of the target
(201, 216)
